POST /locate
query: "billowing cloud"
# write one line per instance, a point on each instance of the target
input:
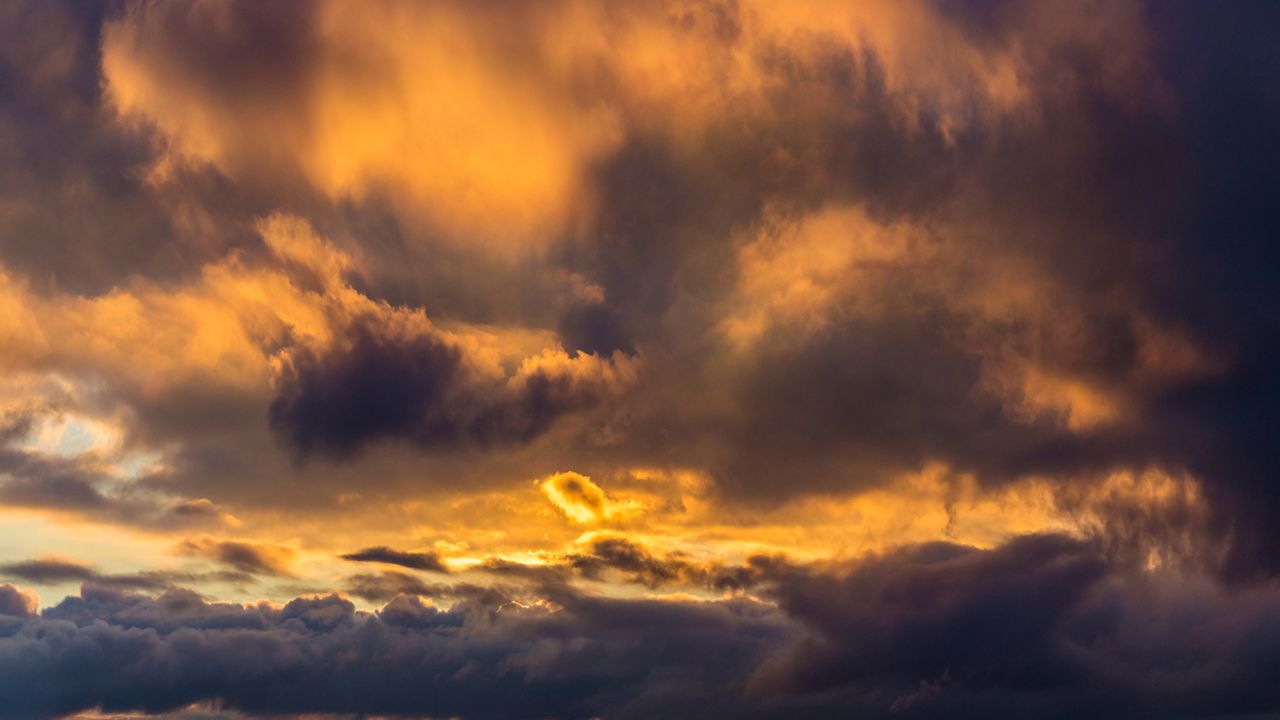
(694, 358)
(348, 100)
(406, 382)
(1042, 625)
(18, 602)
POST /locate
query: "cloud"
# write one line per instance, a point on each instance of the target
(189, 373)
(56, 571)
(412, 560)
(47, 571)
(392, 381)
(244, 556)
(547, 663)
(501, 160)
(938, 629)
(386, 585)
(88, 482)
(16, 601)
(1043, 625)
(642, 566)
(84, 485)
(869, 273)
(77, 179)
(584, 502)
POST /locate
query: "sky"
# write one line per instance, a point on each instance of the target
(668, 358)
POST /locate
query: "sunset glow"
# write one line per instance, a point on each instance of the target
(653, 359)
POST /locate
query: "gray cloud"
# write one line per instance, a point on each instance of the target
(412, 560)
(1042, 625)
(84, 484)
(53, 571)
(15, 602)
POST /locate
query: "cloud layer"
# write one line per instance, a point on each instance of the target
(684, 358)
(1043, 625)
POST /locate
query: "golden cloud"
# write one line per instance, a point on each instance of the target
(584, 502)
(486, 122)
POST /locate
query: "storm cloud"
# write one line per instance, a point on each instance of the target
(1043, 625)
(674, 358)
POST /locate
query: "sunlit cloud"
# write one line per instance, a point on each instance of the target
(672, 358)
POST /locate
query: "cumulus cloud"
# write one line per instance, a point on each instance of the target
(396, 381)
(560, 663)
(16, 601)
(844, 276)
(938, 629)
(1043, 625)
(860, 221)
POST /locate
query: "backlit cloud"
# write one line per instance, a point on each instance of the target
(670, 358)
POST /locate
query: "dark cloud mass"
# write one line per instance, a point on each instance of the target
(1042, 626)
(380, 384)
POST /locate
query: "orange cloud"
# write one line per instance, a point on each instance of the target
(796, 272)
(234, 326)
(426, 101)
(583, 502)
(486, 122)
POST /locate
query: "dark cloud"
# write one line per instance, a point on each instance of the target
(411, 660)
(381, 587)
(388, 585)
(957, 598)
(593, 327)
(1101, 222)
(53, 571)
(80, 212)
(1132, 189)
(412, 560)
(47, 571)
(378, 383)
(1040, 625)
(371, 387)
(1043, 625)
(639, 565)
